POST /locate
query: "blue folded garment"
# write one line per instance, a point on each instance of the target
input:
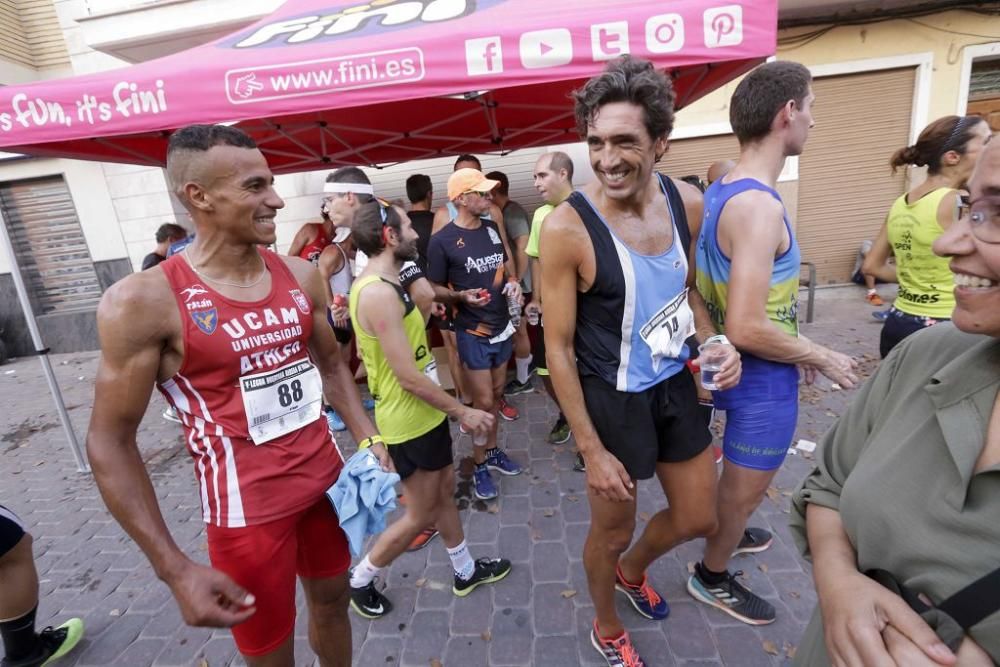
(363, 496)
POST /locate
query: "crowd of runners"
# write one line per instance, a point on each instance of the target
(614, 293)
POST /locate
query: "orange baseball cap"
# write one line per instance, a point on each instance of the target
(468, 180)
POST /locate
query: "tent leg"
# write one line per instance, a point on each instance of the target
(36, 339)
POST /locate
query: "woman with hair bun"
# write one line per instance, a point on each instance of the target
(948, 147)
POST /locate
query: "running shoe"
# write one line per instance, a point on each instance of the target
(754, 541)
(334, 421)
(368, 404)
(422, 539)
(482, 482)
(53, 643)
(617, 652)
(580, 465)
(498, 460)
(731, 597)
(646, 601)
(488, 571)
(508, 411)
(874, 299)
(368, 602)
(880, 315)
(560, 432)
(514, 387)
(170, 414)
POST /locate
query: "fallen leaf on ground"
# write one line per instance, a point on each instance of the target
(770, 647)
(549, 512)
(690, 567)
(436, 663)
(773, 493)
(644, 516)
(486, 636)
(115, 612)
(493, 509)
(203, 663)
(763, 567)
(419, 583)
(568, 593)
(790, 650)
(794, 594)
(572, 499)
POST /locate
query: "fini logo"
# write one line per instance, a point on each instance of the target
(355, 20)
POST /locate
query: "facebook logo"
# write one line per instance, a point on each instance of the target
(483, 56)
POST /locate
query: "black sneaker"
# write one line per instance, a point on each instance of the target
(731, 597)
(580, 465)
(514, 387)
(488, 571)
(368, 602)
(53, 643)
(754, 541)
(560, 432)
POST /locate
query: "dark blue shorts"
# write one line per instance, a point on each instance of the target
(477, 353)
(761, 414)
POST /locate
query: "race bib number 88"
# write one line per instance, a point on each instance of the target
(280, 401)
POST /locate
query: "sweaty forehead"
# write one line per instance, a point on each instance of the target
(234, 164)
(616, 118)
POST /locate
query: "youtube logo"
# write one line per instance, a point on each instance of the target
(546, 48)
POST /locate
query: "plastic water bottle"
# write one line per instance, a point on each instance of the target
(711, 354)
(513, 307)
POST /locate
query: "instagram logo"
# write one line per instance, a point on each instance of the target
(483, 56)
(724, 26)
(665, 33)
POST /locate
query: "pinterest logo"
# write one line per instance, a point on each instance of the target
(723, 26)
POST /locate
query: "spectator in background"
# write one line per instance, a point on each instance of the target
(718, 169)
(515, 220)
(859, 277)
(166, 236)
(948, 147)
(420, 192)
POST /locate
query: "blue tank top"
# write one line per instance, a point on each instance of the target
(761, 378)
(632, 323)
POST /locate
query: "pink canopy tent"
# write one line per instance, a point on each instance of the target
(323, 83)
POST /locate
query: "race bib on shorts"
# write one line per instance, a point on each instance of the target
(280, 401)
(666, 331)
(431, 371)
(503, 335)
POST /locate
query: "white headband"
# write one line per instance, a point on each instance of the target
(341, 188)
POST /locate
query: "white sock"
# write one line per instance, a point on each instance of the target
(461, 560)
(872, 291)
(363, 573)
(522, 368)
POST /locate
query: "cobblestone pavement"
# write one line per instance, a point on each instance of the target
(539, 615)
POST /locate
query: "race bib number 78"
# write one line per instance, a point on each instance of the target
(280, 401)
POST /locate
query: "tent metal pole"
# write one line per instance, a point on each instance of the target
(40, 350)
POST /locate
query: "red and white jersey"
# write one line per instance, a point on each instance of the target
(250, 399)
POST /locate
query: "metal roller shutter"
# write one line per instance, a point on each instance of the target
(845, 184)
(694, 156)
(49, 245)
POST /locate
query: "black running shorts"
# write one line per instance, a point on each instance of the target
(430, 451)
(662, 424)
(11, 530)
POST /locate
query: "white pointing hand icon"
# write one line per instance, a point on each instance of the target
(247, 85)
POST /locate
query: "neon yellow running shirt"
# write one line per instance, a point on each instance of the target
(399, 415)
(926, 284)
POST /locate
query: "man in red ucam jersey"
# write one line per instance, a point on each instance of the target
(236, 339)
